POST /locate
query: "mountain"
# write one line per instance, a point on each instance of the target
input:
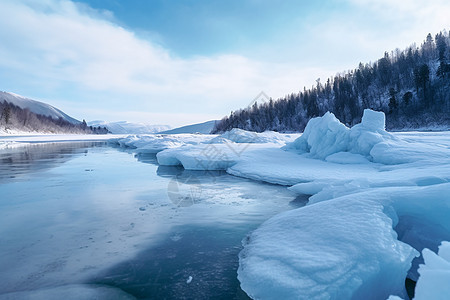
(204, 128)
(23, 115)
(124, 127)
(36, 107)
(412, 87)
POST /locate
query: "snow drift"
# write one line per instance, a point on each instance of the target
(345, 248)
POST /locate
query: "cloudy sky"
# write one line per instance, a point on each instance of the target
(187, 61)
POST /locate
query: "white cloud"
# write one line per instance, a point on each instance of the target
(59, 43)
(59, 48)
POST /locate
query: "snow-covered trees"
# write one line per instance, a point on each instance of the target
(13, 117)
(412, 87)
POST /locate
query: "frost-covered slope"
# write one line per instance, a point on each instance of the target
(204, 128)
(124, 127)
(36, 107)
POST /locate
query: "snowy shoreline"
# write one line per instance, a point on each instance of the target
(378, 199)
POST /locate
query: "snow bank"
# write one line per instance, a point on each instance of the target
(222, 152)
(202, 152)
(154, 143)
(330, 250)
(434, 281)
(345, 248)
(147, 143)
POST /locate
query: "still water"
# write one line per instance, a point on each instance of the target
(85, 218)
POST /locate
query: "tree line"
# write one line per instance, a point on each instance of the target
(411, 86)
(13, 117)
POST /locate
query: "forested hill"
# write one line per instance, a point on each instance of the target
(411, 86)
(14, 119)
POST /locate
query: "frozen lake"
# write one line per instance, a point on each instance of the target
(85, 217)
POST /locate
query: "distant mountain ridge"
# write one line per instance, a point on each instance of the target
(125, 127)
(37, 107)
(204, 128)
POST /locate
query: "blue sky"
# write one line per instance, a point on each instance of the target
(180, 62)
(190, 28)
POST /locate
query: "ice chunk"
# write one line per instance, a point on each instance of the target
(346, 248)
(373, 120)
(200, 157)
(329, 250)
(434, 280)
(325, 136)
(322, 137)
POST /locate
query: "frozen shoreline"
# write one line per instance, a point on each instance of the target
(398, 183)
(339, 167)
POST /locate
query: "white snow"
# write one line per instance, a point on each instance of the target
(339, 249)
(345, 248)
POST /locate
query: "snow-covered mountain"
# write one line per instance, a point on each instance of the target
(204, 128)
(36, 107)
(124, 127)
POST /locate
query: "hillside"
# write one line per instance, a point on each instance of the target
(23, 115)
(36, 107)
(412, 87)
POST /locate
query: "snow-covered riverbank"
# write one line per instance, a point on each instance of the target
(378, 200)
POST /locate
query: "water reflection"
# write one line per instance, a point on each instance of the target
(193, 262)
(35, 157)
(148, 158)
(169, 171)
(119, 226)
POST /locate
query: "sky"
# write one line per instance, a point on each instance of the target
(189, 61)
